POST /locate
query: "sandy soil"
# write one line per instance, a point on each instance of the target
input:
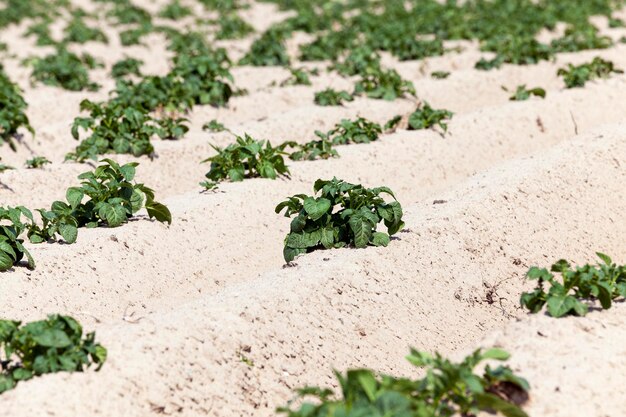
(178, 307)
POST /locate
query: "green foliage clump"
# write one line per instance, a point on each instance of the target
(604, 282)
(522, 93)
(125, 67)
(231, 26)
(312, 150)
(113, 129)
(344, 214)
(112, 198)
(299, 76)
(360, 60)
(247, 158)
(330, 97)
(42, 347)
(174, 11)
(383, 84)
(78, 31)
(577, 76)
(352, 131)
(4, 167)
(578, 38)
(514, 50)
(12, 249)
(440, 75)
(426, 117)
(12, 110)
(268, 50)
(214, 126)
(41, 31)
(37, 162)
(406, 49)
(202, 78)
(66, 70)
(447, 389)
(172, 128)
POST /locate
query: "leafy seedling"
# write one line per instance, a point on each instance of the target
(330, 97)
(214, 126)
(440, 75)
(352, 131)
(125, 67)
(66, 70)
(12, 111)
(47, 346)
(37, 162)
(577, 76)
(384, 84)
(299, 76)
(110, 197)
(522, 93)
(268, 50)
(604, 282)
(312, 150)
(342, 215)
(113, 129)
(247, 158)
(447, 389)
(426, 117)
(12, 249)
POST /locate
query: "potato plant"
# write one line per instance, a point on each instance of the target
(12, 249)
(231, 26)
(578, 75)
(604, 282)
(342, 215)
(447, 389)
(78, 31)
(107, 196)
(426, 117)
(522, 93)
(12, 111)
(299, 76)
(312, 150)
(113, 129)
(247, 158)
(66, 70)
(4, 167)
(125, 67)
(384, 84)
(352, 131)
(37, 162)
(174, 10)
(330, 97)
(268, 50)
(214, 126)
(360, 60)
(46, 346)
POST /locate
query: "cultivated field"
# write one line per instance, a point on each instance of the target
(204, 316)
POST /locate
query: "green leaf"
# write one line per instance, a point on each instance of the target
(489, 401)
(6, 262)
(495, 353)
(69, 232)
(605, 258)
(74, 196)
(362, 230)
(159, 212)
(327, 237)
(316, 208)
(115, 215)
(52, 338)
(380, 239)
